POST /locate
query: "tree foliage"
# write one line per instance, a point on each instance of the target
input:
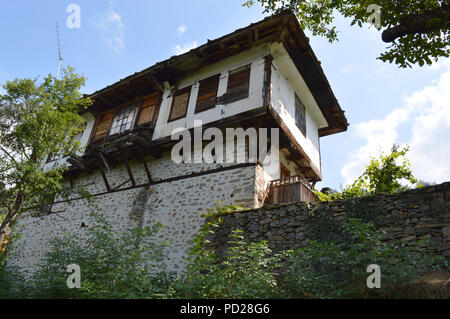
(337, 269)
(36, 119)
(247, 270)
(382, 175)
(128, 263)
(417, 31)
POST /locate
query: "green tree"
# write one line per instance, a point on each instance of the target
(36, 119)
(382, 175)
(417, 31)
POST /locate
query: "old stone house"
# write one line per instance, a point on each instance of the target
(264, 76)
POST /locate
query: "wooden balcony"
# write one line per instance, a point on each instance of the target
(290, 189)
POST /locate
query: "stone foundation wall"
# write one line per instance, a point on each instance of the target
(416, 214)
(178, 204)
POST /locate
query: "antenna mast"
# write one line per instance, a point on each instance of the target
(59, 52)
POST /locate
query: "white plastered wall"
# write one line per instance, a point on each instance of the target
(286, 82)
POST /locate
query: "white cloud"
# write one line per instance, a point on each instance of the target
(181, 29)
(347, 68)
(426, 114)
(111, 28)
(178, 49)
(352, 67)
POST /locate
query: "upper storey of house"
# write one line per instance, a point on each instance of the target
(263, 75)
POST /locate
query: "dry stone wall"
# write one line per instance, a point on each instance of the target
(416, 214)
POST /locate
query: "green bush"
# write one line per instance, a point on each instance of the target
(337, 269)
(247, 270)
(129, 264)
(124, 264)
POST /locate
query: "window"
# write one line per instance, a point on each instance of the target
(102, 126)
(207, 93)
(149, 109)
(238, 85)
(123, 120)
(179, 104)
(300, 115)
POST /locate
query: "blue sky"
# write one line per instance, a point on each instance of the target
(384, 104)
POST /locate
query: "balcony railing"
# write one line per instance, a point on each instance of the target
(290, 189)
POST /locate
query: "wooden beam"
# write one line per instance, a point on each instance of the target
(155, 83)
(130, 173)
(147, 171)
(104, 100)
(294, 142)
(267, 79)
(105, 180)
(119, 95)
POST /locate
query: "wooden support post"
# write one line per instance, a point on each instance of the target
(267, 79)
(101, 160)
(130, 173)
(147, 171)
(105, 180)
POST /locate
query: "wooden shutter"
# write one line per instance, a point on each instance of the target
(207, 93)
(149, 110)
(238, 85)
(103, 125)
(300, 115)
(179, 104)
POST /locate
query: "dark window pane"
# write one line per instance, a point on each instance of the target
(300, 115)
(238, 85)
(207, 93)
(123, 120)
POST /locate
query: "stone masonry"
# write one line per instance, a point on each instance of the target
(416, 214)
(176, 198)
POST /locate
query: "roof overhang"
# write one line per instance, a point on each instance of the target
(282, 27)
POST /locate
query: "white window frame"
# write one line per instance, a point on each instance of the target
(118, 125)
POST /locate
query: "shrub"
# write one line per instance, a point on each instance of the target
(247, 270)
(337, 269)
(114, 264)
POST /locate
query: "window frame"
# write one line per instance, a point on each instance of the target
(212, 78)
(300, 107)
(230, 97)
(117, 112)
(188, 90)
